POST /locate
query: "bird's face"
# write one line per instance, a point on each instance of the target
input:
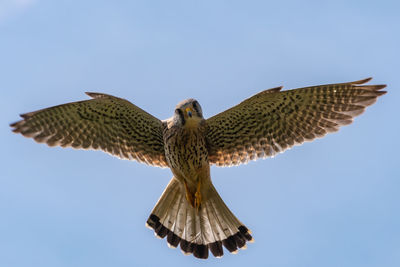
(188, 113)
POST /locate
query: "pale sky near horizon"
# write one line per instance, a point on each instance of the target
(332, 202)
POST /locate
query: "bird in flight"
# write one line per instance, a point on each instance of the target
(190, 212)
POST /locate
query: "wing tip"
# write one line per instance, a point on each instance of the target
(14, 124)
(375, 88)
(362, 81)
(380, 93)
(27, 115)
(366, 80)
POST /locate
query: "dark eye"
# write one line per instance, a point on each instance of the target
(196, 107)
(180, 114)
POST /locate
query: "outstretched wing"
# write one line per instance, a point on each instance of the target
(273, 121)
(105, 122)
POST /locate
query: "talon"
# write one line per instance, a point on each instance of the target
(194, 199)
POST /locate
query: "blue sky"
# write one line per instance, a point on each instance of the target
(332, 202)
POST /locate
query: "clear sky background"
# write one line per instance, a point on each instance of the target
(332, 202)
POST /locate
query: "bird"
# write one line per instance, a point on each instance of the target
(190, 213)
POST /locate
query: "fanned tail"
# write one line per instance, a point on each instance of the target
(210, 228)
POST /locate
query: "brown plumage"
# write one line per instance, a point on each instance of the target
(109, 123)
(190, 213)
(273, 120)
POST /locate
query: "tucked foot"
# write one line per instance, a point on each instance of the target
(197, 196)
(189, 196)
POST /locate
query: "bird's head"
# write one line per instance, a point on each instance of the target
(188, 113)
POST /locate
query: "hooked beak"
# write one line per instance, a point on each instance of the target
(189, 112)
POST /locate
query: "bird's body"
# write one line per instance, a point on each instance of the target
(186, 152)
(190, 213)
(192, 200)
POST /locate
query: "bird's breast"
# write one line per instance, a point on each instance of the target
(185, 151)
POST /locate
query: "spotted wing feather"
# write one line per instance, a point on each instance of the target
(105, 122)
(273, 121)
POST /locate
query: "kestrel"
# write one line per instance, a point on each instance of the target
(190, 213)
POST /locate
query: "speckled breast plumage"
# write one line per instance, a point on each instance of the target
(185, 151)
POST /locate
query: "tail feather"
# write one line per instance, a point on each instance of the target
(197, 231)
